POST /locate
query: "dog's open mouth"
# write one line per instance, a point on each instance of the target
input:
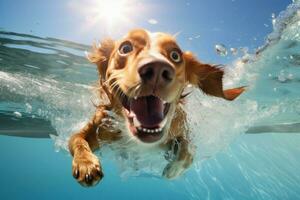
(146, 116)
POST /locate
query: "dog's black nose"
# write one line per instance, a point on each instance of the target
(157, 73)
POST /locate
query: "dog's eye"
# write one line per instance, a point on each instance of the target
(175, 56)
(125, 48)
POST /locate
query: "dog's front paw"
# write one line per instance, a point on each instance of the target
(177, 167)
(87, 169)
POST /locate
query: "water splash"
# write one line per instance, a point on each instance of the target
(275, 65)
(55, 86)
(234, 51)
(221, 49)
(17, 114)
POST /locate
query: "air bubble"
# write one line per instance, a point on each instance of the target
(273, 19)
(290, 76)
(28, 108)
(234, 51)
(283, 76)
(17, 114)
(244, 50)
(39, 112)
(273, 15)
(221, 49)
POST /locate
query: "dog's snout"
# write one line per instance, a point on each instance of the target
(159, 73)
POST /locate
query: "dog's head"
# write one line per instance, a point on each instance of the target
(146, 74)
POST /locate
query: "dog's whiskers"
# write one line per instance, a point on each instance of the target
(134, 91)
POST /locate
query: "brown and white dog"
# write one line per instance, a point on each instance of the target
(144, 75)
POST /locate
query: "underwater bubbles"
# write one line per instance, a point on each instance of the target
(28, 108)
(221, 49)
(234, 51)
(273, 19)
(284, 76)
(17, 114)
(244, 50)
(281, 77)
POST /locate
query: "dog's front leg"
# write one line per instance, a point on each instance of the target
(182, 158)
(86, 167)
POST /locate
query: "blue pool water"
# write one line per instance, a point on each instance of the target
(252, 151)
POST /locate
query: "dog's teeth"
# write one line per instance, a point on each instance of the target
(135, 98)
(164, 102)
(145, 130)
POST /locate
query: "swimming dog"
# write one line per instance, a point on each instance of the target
(144, 75)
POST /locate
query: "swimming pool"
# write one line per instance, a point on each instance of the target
(252, 151)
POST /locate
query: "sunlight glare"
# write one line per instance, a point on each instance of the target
(107, 13)
(112, 11)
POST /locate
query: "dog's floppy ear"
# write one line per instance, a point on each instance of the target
(208, 78)
(100, 55)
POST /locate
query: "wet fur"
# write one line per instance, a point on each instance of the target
(86, 167)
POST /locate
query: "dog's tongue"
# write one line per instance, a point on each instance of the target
(149, 110)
